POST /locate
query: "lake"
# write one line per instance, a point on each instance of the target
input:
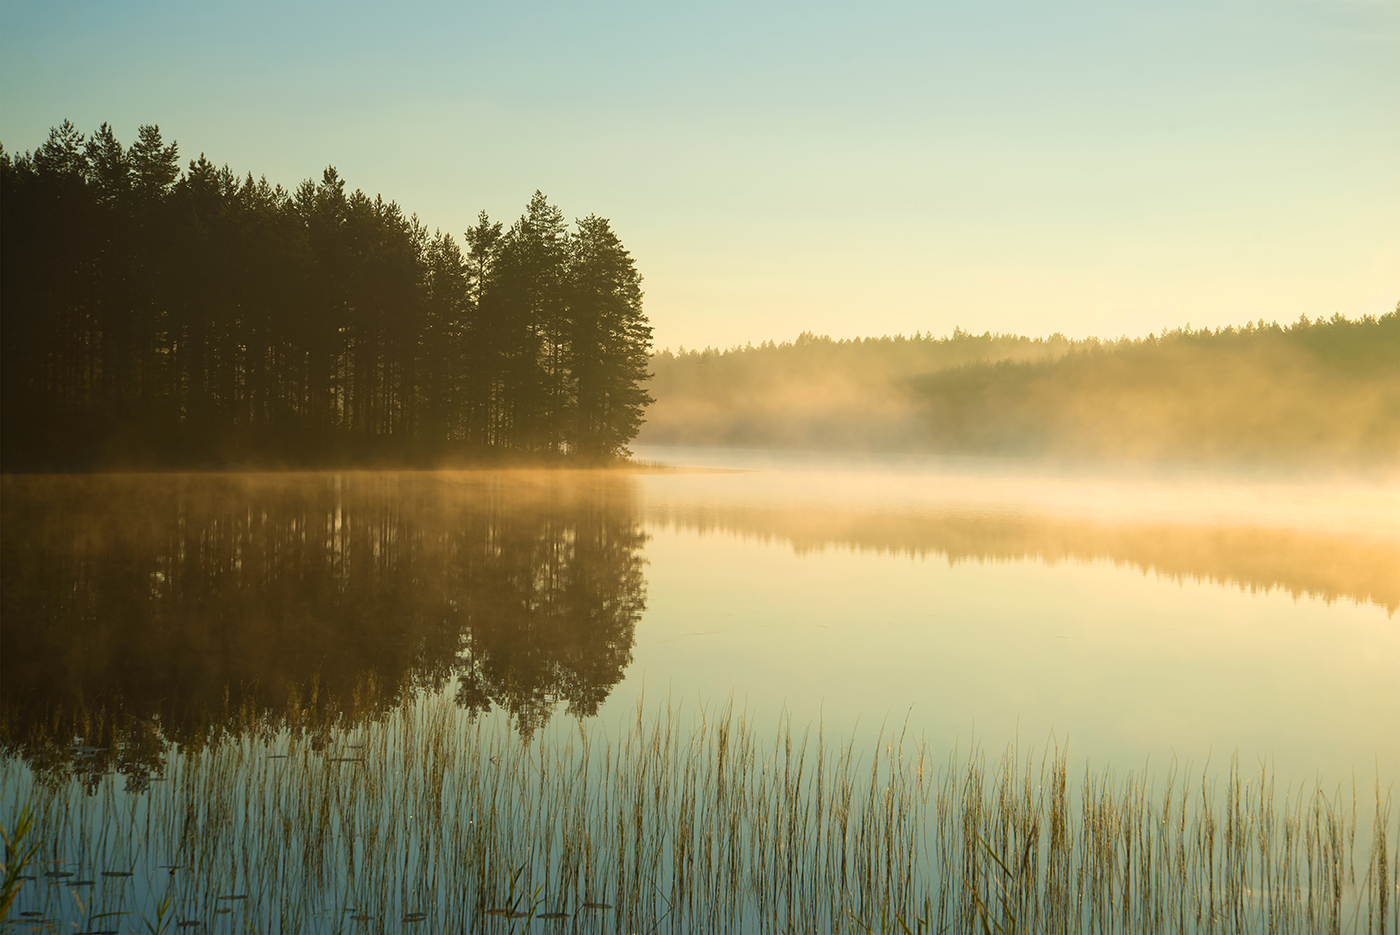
(1132, 621)
(1134, 615)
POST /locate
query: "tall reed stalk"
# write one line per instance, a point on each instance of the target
(422, 820)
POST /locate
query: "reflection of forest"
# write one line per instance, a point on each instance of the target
(1300, 562)
(177, 599)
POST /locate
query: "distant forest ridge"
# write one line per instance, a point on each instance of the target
(159, 316)
(1324, 389)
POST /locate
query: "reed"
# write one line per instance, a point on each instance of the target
(423, 820)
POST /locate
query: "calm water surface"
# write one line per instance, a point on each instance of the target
(306, 692)
(1137, 617)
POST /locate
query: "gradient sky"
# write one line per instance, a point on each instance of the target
(845, 169)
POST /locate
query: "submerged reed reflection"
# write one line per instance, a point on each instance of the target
(164, 606)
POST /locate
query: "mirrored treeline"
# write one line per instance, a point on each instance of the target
(1302, 562)
(169, 606)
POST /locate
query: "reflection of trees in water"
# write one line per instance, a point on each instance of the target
(1311, 563)
(188, 604)
(550, 617)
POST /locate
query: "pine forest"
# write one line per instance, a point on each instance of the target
(154, 316)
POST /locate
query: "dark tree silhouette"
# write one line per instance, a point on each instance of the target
(608, 341)
(152, 316)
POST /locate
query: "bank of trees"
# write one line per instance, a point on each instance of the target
(1325, 389)
(159, 315)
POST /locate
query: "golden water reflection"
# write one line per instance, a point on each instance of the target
(1126, 610)
(1302, 562)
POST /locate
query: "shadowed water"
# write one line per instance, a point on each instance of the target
(189, 601)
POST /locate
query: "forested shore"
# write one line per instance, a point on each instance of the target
(1325, 390)
(157, 317)
(154, 316)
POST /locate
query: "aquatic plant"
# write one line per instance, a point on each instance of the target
(20, 849)
(425, 820)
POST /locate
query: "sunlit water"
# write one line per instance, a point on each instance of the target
(1134, 618)
(1133, 615)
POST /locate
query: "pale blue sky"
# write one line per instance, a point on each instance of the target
(847, 169)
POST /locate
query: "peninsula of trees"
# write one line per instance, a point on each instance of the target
(1321, 391)
(154, 316)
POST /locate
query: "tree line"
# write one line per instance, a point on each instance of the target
(1324, 389)
(157, 315)
(815, 392)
